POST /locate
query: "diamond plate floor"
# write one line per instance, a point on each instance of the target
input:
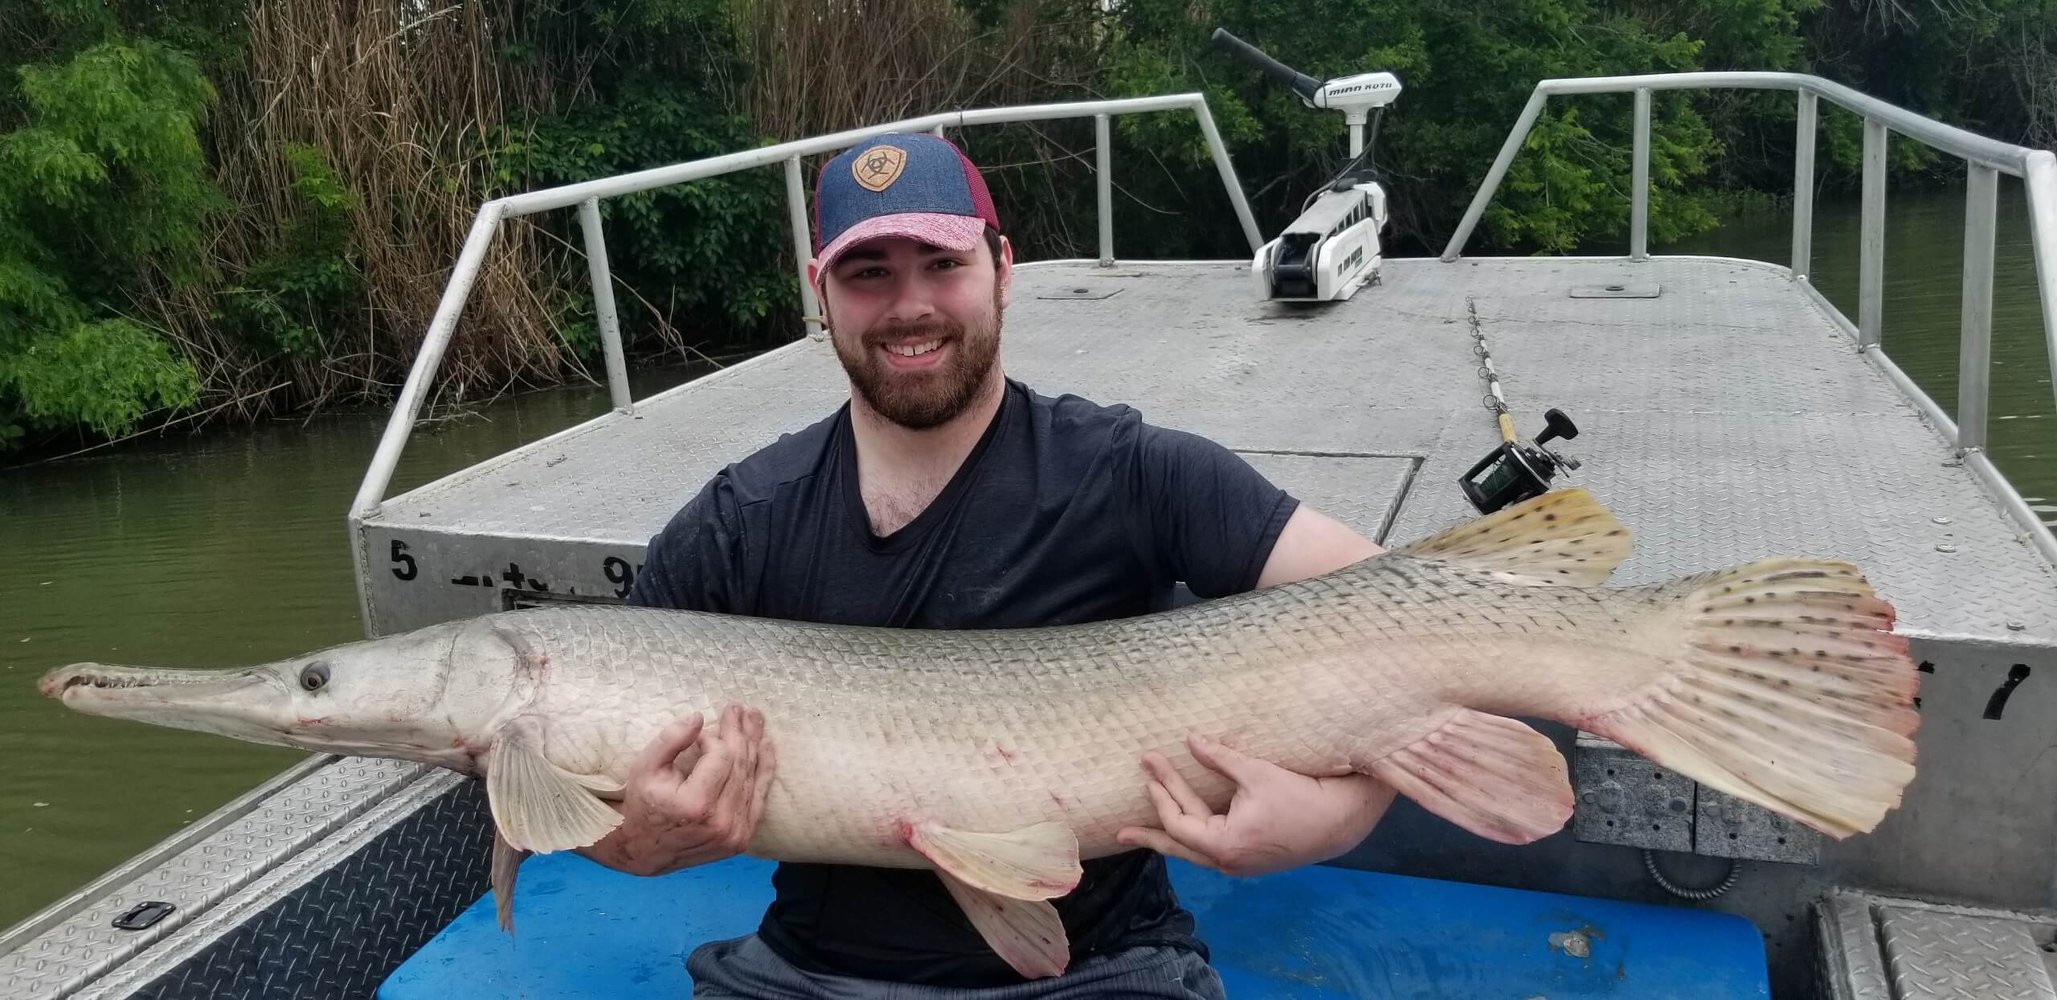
(211, 872)
(1956, 955)
(1724, 419)
(1885, 948)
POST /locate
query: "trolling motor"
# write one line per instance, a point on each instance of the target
(1514, 472)
(1332, 249)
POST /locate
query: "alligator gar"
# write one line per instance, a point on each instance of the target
(1000, 758)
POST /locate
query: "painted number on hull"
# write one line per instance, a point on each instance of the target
(402, 559)
(620, 573)
(515, 578)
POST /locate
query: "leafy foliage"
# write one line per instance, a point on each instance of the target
(103, 189)
(658, 83)
(711, 247)
(137, 135)
(1466, 72)
(290, 300)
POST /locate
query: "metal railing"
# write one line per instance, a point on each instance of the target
(1985, 159)
(586, 195)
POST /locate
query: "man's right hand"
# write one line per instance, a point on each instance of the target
(673, 820)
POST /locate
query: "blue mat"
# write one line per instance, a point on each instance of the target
(581, 930)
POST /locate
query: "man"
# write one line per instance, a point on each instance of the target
(946, 495)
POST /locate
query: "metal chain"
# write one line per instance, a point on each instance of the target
(1727, 882)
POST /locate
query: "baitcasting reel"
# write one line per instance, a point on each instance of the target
(1514, 472)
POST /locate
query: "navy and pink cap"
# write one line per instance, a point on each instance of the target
(915, 185)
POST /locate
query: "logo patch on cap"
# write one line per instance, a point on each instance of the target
(878, 167)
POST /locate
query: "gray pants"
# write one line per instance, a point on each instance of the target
(743, 967)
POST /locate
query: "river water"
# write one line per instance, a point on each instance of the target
(229, 547)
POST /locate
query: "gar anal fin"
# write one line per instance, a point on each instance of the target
(1491, 775)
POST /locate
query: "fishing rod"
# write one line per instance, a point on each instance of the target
(1514, 471)
(1333, 249)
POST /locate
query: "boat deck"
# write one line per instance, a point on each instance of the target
(1723, 416)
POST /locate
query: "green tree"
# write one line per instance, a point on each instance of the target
(103, 189)
(1467, 70)
(659, 83)
(148, 259)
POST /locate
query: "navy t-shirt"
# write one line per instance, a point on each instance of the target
(1065, 511)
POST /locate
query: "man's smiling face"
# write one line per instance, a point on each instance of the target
(916, 326)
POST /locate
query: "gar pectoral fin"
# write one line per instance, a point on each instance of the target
(537, 805)
(507, 861)
(1025, 933)
(1003, 882)
(1034, 862)
(1491, 775)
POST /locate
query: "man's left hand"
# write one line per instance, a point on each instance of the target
(1278, 819)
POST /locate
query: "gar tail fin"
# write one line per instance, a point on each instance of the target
(1789, 690)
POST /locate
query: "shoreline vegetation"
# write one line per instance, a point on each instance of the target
(218, 211)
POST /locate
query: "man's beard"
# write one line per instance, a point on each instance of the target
(920, 400)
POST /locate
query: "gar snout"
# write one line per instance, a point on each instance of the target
(55, 683)
(99, 676)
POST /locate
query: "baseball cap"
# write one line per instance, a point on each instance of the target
(900, 184)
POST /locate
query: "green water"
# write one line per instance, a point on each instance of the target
(212, 550)
(230, 547)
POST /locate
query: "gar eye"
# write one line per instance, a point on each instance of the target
(313, 676)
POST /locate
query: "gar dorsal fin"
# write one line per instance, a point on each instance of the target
(1560, 537)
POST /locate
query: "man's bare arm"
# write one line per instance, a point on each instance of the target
(1278, 819)
(1314, 543)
